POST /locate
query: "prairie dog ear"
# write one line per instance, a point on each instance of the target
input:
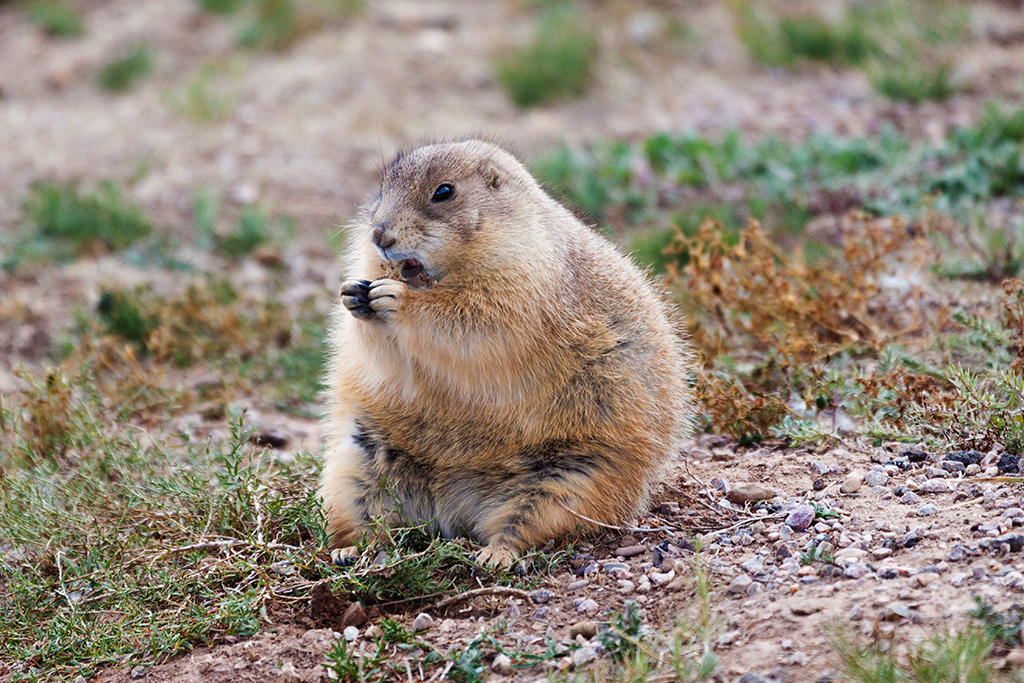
(493, 178)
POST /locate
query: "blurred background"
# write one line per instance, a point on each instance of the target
(144, 142)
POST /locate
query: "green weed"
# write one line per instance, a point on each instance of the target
(914, 83)
(960, 655)
(1005, 628)
(251, 232)
(276, 25)
(203, 97)
(556, 65)
(897, 42)
(56, 19)
(220, 6)
(85, 222)
(132, 553)
(125, 72)
(123, 318)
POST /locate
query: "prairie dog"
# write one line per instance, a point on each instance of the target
(496, 365)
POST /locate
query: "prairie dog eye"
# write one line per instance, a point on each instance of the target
(443, 193)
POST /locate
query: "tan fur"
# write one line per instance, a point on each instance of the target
(531, 369)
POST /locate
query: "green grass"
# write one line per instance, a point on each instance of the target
(56, 19)
(85, 221)
(251, 232)
(123, 554)
(557, 64)
(902, 45)
(220, 6)
(786, 185)
(914, 83)
(127, 71)
(275, 26)
(960, 655)
(207, 94)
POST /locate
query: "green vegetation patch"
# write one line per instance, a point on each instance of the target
(900, 44)
(125, 72)
(119, 553)
(557, 64)
(670, 181)
(85, 221)
(56, 19)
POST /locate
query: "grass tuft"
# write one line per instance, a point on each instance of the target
(85, 221)
(220, 6)
(124, 73)
(56, 19)
(558, 64)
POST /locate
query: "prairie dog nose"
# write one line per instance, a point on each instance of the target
(378, 237)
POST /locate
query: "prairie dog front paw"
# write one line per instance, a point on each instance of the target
(344, 557)
(367, 300)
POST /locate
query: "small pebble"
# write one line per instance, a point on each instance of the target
(631, 550)
(925, 578)
(375, 632)
(852, 483)
(855, 570)
(959, 579)
(588, 606)
(958, 553)
(926, 510)
(739, 584)
(502, 665)
(800, 518)
(586, 628)
(351, 634)
(422, 622)
(541, 595)
(910, 498)
(936, 485)
(856, 613)
(583, 655)
(881, 553)
(876, 478)
(749, 493)
(576, 585)
(659, 578)
(895, 611)
(138, 672)
(752, 678)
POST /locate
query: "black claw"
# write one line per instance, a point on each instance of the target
(345, 561)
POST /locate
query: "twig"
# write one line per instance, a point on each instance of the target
(750, 520)
(628, 529)
(489, 590)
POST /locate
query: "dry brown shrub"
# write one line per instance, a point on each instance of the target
(45, 422)
(754, 301)
(758, 297)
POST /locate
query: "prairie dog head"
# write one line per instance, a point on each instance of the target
(448, 206)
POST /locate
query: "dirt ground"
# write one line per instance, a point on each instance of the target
(304, 134)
